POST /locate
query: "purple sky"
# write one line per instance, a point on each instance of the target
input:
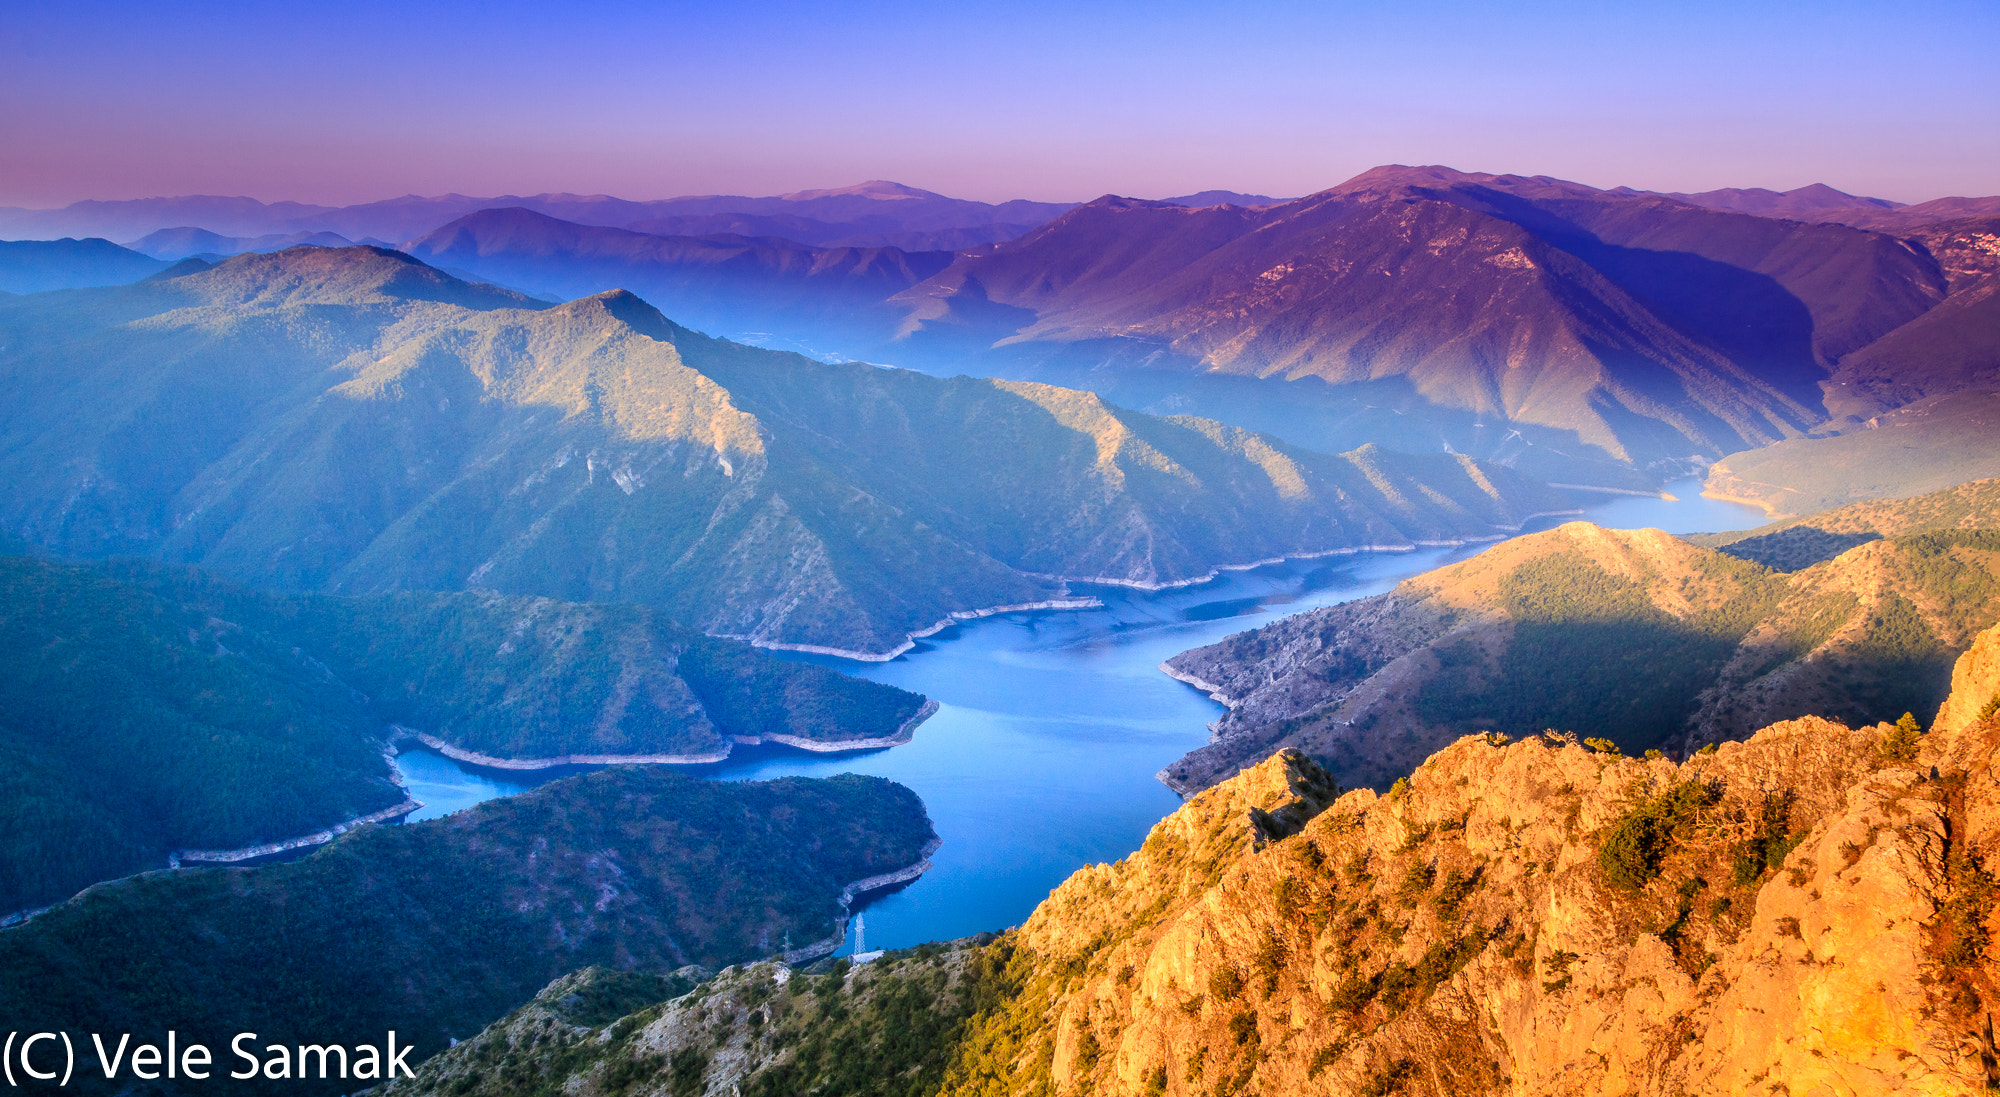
(355, 101)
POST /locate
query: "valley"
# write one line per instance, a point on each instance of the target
(353, 421)
(1053, 727)
(1023, 550)
(502, 522)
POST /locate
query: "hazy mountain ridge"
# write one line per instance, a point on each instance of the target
(184, 241)
(1918, 448)
(1635, 636)
(1533, 299)
(368, 423)
(876, 207)
(1582, 333)
(721, 283)
(32, 266)
(1803, 909)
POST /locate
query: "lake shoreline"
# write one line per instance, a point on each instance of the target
(903, 733)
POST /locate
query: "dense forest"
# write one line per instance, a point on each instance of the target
(438, 928)
(146, 708)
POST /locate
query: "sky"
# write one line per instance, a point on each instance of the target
(1056, 101)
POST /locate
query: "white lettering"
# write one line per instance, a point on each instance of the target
(396, 1057)
(282, 1061)
(110, 1065)
(367, 1061)
(146, 1055)
(236, 1046)
(322, 1051)
(31, 1042)
(189, 1062)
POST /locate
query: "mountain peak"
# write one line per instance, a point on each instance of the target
(362, 274)
(882, 190)
(630, 309)
(1406, 175)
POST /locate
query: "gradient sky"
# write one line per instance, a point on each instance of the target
(1065, 100)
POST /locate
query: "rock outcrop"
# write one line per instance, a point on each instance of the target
(1804, 912)
(1975, 686)
(1807, 911)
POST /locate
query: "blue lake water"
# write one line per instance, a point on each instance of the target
(1051, 725)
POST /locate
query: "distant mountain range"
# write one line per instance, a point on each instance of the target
(1576, 333)
(1637, 327)
(1821, 203)
(352, 420)
(1609, 337)
(181, 243)
(32, 266)
(871, 214)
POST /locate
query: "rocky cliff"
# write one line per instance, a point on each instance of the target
(1807, 911)
(1975, 686)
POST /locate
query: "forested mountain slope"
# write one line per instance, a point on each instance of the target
(148, 709)
(352, 420)
(437, 928)
(1633, 636)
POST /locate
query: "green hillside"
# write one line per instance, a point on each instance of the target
(145, 708)
(1634, 637)
(1925, 447)
(438, 928)
(350, 420)
(1795, 543)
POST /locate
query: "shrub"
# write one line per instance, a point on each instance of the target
(1632, 850)
(1770, 845)
(1352, 994)
(1452, 894)
(1270, 962)
(1390, 1079)
(1243, 1027)
(1962, 920)
(1901, 744)
(1417, 879)
(1225, 983)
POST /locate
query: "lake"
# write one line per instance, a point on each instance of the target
(1051, 726)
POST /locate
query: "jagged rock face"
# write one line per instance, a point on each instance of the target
(1814, 922)
(1804, 912)
(1975, 685)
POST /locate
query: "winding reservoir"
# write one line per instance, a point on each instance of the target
(1051, 725)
